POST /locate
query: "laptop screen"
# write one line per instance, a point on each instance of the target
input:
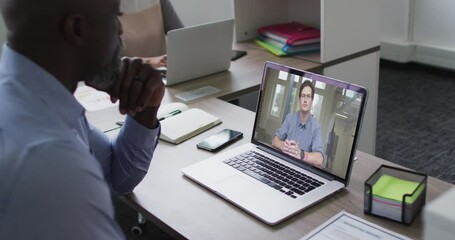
(310, 119)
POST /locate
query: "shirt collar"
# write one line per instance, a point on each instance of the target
(42, 84)
(304, 124)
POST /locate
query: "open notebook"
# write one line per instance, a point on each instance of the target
(270, 184)
(179, 122)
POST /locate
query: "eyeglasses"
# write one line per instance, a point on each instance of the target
(307, 96)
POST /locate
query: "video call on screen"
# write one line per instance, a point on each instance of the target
(337, 110)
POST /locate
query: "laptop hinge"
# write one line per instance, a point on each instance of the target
(301, 165)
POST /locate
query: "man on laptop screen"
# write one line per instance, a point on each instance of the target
(274, 183)
(300, 134)
(334, 110)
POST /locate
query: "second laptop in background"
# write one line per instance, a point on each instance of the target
(198, 51)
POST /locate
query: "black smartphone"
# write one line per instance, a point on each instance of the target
(236, 54)
(220, 140)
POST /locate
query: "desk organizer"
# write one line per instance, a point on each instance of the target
(395, 193)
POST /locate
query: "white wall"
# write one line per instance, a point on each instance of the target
(192, 12)
(434, 32)
(2, 33)
(434, 22)
(419, 30)
(395, 20)
(202, 11)
(135, 5)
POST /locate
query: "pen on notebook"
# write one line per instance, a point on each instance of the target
(120, 123)
(170, 115)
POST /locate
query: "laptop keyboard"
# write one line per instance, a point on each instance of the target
(274, 174)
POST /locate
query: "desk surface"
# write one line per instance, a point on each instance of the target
(183, 208)
(186, 210)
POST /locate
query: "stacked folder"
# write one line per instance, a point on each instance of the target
(289, 38)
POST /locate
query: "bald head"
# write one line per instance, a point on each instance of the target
(42, 19)
(72, 39)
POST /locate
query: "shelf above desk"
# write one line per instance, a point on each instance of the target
(244, 75)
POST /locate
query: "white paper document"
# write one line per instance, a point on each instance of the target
(197, 93)
(93, 100)
(347, 226)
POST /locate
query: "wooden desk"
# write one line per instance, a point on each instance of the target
(186, 210)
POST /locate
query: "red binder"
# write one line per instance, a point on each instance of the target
(293, 33)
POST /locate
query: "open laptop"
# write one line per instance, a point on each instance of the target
(251, 176)
(198, 51)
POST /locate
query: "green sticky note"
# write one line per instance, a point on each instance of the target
(393, 188)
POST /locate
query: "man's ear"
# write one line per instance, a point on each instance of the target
(74, 29)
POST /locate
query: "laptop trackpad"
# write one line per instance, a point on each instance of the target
(256, 198)
(236, 186)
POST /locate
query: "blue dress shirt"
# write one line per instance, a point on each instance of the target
(308, 135)
(56, 170)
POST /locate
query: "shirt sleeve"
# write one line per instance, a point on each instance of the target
(126, 157)
(316, 142)
(282, 132)
(60, 194)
